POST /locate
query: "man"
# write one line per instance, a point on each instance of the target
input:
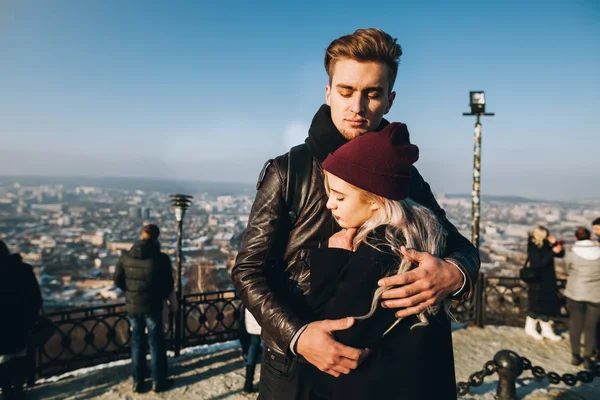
(20, 303)
(596, 230)
(270, 274)
(146, 276)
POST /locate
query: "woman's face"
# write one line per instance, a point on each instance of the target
(349, 209)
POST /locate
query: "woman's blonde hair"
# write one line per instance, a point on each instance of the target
(538, 235)
(408, 224)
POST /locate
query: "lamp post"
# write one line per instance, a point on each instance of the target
(181, 203)
(477, 104)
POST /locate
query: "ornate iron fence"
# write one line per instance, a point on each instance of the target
(504, 301)
(210, 318)
(85, 337)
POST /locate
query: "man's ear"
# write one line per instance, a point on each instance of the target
(328, 95)
(391, 98)
(374, 206)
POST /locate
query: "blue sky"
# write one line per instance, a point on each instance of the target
(196, 90)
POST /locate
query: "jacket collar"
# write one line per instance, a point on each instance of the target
(323, 137)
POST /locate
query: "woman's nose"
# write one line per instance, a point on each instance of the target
(330, 204)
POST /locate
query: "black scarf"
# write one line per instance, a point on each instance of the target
(323, 137)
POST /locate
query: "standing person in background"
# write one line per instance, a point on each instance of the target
(542, 248)
(583, 296)
(596, 230)
(145, 274)
(251, 348)
(20, 303)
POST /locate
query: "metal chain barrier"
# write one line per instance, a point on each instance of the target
(509, 365)
(476, 378)
(584, 376)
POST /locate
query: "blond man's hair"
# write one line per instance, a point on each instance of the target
(368, 44)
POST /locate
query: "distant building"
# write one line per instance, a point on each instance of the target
(135, 213)
(47, 207)
(77, 210)
(222, 239)
(201, 277)
(145, 213)
(116, 246)
(96, 239)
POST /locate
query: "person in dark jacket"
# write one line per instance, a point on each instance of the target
(543, 302)
(20, 303)
(367, 182)
(271, 274)
(145, 274)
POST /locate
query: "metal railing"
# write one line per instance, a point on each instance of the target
(89, 336)
(85, 337)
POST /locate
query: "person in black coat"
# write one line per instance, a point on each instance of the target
(378, 220)
(20, 303)
(543, 302)
(145, 274)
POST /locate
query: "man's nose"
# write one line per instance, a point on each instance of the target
(358, 103)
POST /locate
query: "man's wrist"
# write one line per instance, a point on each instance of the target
(464, 275)
(295, 338)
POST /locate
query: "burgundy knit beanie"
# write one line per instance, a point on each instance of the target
(378, 162)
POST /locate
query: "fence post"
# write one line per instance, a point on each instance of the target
(509, 366)
(479, 294)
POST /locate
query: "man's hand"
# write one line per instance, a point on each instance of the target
(429, 283)
(317, 345)
(343, 239)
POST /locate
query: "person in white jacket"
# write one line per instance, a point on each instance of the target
(583, 296)
(251, 348)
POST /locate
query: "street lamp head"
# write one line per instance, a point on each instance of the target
(477, 102)
(181, 202)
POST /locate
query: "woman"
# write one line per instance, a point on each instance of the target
(583, 295)
(367, 182)
(542, 248)
(251, 348)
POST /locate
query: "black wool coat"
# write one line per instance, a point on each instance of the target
(409, 364)
(543, 295)
(20, 303)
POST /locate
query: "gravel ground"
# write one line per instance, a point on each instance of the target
(220, 375)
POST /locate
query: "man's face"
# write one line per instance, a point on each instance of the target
(359, 96)
(596, 229)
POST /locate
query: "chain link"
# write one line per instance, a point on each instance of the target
(490, 368)
(476, 378)
(554, 378)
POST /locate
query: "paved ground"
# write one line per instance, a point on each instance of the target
(220, 375)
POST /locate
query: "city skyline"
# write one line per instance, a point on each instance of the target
(208, 93)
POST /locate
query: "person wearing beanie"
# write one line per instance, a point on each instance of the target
(367, 182)
(271, 274)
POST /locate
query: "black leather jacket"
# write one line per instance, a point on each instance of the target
(270, 274)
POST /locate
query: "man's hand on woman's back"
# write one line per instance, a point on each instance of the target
(317, 345)
(431, 282)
